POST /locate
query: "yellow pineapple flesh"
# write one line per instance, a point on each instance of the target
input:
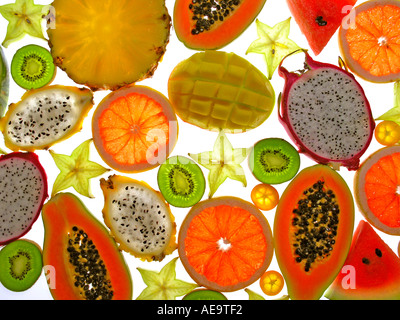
(106, 44)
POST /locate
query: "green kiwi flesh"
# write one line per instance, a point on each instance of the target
(20, 265)
(274, 161)
(204, 294)
(181, 181)
(32, 67)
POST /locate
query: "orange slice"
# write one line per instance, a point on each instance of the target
(225, 244)
(377, 189)
(370, 40)
(272, 282)
(134, 129)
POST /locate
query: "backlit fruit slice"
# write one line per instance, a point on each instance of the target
(313, 226)
(108, 44)
(210, 24)
(20, 265)
(204, 294)
(4, 83)
(387, 133)
(376, 189)
(83, 260)
(264, 196)
(32, 67)
(45, 116)
(216, 90)
(139, 218)
(134, 129)
(225, 244)
(271, 283)
(369, 43)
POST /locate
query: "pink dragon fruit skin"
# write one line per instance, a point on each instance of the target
(326, 113)
(23, 190)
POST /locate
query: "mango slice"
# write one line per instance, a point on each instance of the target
(215, 90)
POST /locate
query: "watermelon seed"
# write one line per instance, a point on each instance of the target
(365, 260)
(378, 252)
(321, 22)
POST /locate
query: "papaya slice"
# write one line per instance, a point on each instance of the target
(213, 25)
(84, 262)
(313, 228)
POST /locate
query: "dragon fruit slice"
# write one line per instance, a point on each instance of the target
(45, 116)
(23, 190)
(326, 113)
(139, 218)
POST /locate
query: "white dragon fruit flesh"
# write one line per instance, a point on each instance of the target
(45, 116)
(23, 190)
(138, 217)
(326, 113)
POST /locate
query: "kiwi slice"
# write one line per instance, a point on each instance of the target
(274, 161)
(181, 181)
(20, 265)
(32, 67)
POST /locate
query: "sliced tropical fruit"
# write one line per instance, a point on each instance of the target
(371, 270)
(4, 83)
(225, 244)
(376, 189)
(108, 44)
(369, 43)
(84, 262)
(45, 116)
(318, 20)
(387, 133)
(313, 227)
(134, 129)
(216, 90)
(213, 24)
(272, 283)
(138, 217)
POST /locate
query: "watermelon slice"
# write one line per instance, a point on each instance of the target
(318, 20)
(371, 270)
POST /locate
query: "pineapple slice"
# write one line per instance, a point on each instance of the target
(106, 44)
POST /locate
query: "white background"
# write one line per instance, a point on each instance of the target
(191, 139)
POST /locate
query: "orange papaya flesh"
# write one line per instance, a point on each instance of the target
(313, 228)
(83, 261)
(228, 23)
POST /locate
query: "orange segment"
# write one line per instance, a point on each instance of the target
(226, 244)
(382, 189)
(133, 128)
(374, 40)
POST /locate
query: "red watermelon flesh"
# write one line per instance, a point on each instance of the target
(319, 19)
(371, 270)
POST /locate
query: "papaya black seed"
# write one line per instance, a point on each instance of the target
(90, 274)
(315, 221)
(206, 12)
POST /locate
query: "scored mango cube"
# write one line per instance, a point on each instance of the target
(223, 91)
